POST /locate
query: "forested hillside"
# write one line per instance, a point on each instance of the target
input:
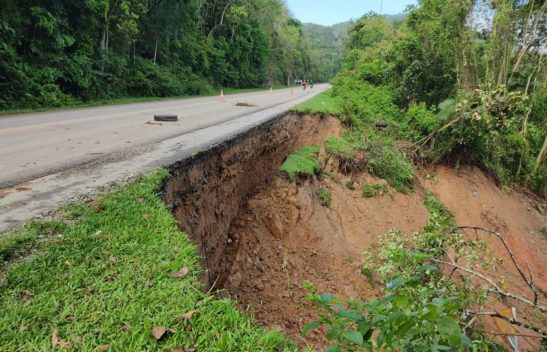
(458, 82)
(55, 53)
(326, 48)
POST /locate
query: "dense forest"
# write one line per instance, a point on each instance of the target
(458, 82)
(326, 48)
(56, 53)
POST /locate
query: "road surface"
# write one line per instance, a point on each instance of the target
(50, 158)
(35, 145)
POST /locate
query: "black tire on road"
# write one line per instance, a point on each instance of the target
(166, 118)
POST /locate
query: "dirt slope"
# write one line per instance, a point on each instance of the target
(262, 236)
(476, 200)
(285, 237)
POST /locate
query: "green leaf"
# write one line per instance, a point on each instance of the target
(333, 348)
(450, 329)
(420, 257)
(351, 314)
(401, 302)
(354, 336)
(396, 283)
(311, 326)
(430, 312)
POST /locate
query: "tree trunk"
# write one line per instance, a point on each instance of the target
(156, 51)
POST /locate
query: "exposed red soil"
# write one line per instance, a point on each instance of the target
(285, 237)
(476, 200)
(262, 236)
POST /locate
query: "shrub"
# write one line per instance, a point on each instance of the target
(420, 308)
(325, 197)
(392, 165)
(302, 162)
(372, 190)
(350, 185)
(423, 119)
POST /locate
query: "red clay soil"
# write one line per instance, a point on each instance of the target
(285, 237)
(475, 200)
(262, 236)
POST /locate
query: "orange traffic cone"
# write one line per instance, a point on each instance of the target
(221, 98)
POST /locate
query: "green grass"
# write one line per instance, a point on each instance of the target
(325, 197)
(131, 100)
(372, 190)
(340, 147)
(390, 164)
(302, 163)
(323, 103)
(105, 278)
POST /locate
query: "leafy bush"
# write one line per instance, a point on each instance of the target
(497, 129)
(420, 310)
(302, 162)
(423, 119)
(363, 103)
(372, 190)
(325, 197)
(390, 164)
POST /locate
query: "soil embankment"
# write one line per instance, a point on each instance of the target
(262, 236)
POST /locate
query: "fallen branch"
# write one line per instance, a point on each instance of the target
(424, 140)
(512, 334)
(529, 281)
(512, 321)
(492, 283)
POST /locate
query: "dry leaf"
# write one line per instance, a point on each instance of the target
(125, 327)
(113, 259)
(140, 199)
(104, 347)
(161, 331)
(186, 317)
(182, 273)
(97, 206)
(56, 341)
(146, 216)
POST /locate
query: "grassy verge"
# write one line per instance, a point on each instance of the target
(323, 103)
(302, 162)
(131, 100)
(104, 280)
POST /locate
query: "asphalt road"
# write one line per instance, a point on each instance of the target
(39, 144)
(53, 158)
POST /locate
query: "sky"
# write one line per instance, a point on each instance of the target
(329, 12)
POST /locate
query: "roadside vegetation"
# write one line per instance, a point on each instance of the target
(64, 53)
(116, 274)
(323, 103)
(421, 308)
